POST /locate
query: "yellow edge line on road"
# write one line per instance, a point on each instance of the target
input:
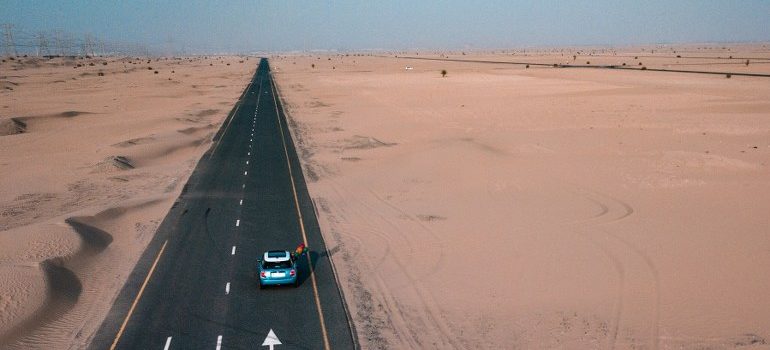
(138, 296)
(302, 227)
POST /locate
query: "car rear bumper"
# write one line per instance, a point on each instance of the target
(269, 281)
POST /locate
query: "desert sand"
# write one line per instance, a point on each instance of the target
(93, 153)
(505, 206)
(497, 207)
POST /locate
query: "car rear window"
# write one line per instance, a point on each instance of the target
(276, 264)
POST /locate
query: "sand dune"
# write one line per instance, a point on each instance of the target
(93, 155)
(538, 207)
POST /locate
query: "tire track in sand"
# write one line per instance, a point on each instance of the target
(627, 259)
(392, 226)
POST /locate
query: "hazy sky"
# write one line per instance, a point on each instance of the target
(272, 25)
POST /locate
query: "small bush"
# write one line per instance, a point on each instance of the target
(747, 63)
(156, 72)
(588, 62)
(640, 63)
(91, 64)
(644, 68)
(100, 74)
(527, 66)
(312, 65)
(624, 63)
(728, 76)
(443, 72)
(636, 57)
(104, 63)
(149, 68)
(678, 56)
(172, 72)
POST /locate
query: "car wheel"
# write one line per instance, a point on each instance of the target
(261, 286)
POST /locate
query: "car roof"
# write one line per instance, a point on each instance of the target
(276, 256)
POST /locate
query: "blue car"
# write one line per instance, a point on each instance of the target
(277, 267)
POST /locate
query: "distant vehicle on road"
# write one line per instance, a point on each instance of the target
(277, 267)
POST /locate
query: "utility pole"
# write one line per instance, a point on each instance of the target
(58, 42)
(42, 44)
(9, 45)
(169, 46)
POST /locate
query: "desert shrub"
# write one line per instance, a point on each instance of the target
(640, 63)
(91, 64)
(527, 66)
(104, 63)
(644, 68)
(678, 56)
(624, 63)
(747, 62)
(443, 72)
(228, 64)
(588, 62)
(312, 65)
(100, 74)
(728, 76)
(156, 72)
(149, 68)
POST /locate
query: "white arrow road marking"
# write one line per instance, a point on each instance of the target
(249, 154)
(219, 342)
(247, 162)
(233, 253)
(168, 343)
(237, 222)
(271, 340)
(227, 288)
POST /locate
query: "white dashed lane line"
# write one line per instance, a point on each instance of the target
(219, 342)
(241, 202)
(243, 186)
(227, 288)
(168, 343)
(245, 173)
(249, 154)
(233, 252)
(237, 222)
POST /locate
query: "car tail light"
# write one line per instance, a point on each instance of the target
(292, 272)
(263, 274)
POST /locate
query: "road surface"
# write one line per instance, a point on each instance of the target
(194, 286)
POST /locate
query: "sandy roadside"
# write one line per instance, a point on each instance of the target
(93, 153)
(512, 207)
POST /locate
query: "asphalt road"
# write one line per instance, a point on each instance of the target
(194, 287)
